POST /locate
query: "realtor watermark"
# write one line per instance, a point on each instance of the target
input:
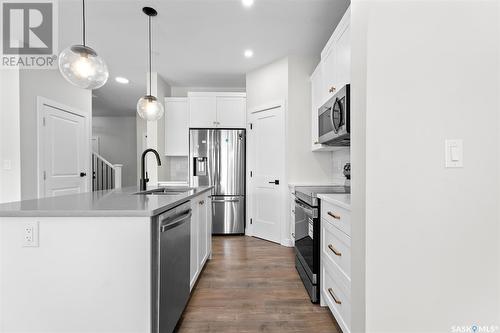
(29, 34)
(475, 328)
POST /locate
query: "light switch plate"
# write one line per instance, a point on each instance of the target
(454, 155)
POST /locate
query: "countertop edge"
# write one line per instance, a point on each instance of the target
(102, 213)
(338, 202)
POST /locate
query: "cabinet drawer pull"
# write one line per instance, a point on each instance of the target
(337, 253)
(202, 202)
(330, 290)
(337, 217)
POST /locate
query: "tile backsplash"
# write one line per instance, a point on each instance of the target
(177, 168)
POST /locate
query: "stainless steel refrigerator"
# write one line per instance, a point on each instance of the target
(217, 158)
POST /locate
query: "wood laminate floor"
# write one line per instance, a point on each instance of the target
(251, 285)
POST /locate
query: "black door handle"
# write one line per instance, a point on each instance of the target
(82, 174)
(276, 182)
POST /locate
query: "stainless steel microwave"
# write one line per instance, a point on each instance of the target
(334, 119)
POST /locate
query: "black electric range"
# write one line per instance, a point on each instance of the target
(307, 234)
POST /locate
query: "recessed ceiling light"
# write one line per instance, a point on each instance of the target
(247, 3)
(121, 80)
(248, 53)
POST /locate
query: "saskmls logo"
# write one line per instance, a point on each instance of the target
(29, 38)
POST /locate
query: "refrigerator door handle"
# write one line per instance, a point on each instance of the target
(226, 200)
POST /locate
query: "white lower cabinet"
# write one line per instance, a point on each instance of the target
(201, 235)
(336, 293)
(336, 262)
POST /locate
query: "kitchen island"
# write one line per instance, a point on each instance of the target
(90, 262)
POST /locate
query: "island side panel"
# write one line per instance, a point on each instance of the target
(88, 274)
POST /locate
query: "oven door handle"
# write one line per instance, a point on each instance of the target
(307, 210)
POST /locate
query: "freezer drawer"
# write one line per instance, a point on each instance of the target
(228, 214)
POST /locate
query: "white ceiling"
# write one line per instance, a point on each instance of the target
(197, 43)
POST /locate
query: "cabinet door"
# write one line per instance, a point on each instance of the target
(336, 58)
(343, 58)
(231, 112)
(176, 127)
(209, 226)
(316, 102)
(329, 72)
(202, 231)
(202, 112)
(194, 264)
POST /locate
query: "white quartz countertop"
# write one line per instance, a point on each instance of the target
(119, 202)
(340, 199)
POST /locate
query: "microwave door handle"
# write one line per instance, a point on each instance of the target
(330, 109)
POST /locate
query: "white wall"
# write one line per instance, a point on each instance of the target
(117, 144)
(163, 90)
(10, 136)
(141, 132)
(49, 84)
(425, 71)
(267, 84)
(288, 79)
(155, 131)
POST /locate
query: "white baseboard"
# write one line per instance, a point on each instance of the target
(287, 242)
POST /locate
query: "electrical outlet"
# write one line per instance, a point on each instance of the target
(339, 166)
(30, 232)
(7, 164)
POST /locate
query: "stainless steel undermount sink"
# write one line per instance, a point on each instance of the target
(166, 191)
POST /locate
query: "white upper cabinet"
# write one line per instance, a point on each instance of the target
(336, 58)
(328, 72)
(217, 110)
(231, 112)
(343, 57)
(331, 74)
(176, 127)
(202, 111)
(316, 100)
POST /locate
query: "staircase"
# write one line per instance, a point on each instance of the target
(105, 176)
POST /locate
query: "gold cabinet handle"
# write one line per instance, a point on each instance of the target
(330, 290)
(337, 253)
(337, 217)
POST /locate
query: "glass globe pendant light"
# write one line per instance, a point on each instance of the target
(81, 66)
(148, 106)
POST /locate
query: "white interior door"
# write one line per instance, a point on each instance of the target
(63, 152)
(267, 144)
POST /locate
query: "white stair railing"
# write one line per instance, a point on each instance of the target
(105, 176)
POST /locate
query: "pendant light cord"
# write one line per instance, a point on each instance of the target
(149, 47)
(83, 11)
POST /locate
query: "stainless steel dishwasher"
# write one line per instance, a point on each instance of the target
(174, 255)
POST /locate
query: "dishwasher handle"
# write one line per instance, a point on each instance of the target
(176, 222)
